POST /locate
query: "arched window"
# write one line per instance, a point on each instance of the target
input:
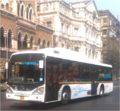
(9, 39)
(19, 41)
(25, 42)
(27, 13)
(18, 9)
(2, 39)
(29, 5)
(43, 46)
(31, 42)
(2, 5)
(30, 16)
(7, 6)
(39, 40)
(48, 44)
(22, 9)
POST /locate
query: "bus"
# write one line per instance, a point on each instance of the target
(56, 74)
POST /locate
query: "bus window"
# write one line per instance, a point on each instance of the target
(65, 71)
(49, 73)
(60, 72)
(73, 73)
(86, 72)
(104, 74)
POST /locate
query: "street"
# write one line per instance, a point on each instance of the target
(108, 102)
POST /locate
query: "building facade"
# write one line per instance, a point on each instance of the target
(76, 25)
(110, 28)
(19, 30)
(109, 24)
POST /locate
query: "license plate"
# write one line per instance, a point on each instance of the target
(21, 97)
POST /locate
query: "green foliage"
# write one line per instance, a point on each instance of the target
(111, 53)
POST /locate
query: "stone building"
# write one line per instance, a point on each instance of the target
(109, 24)
(19, 30)
(110, 27)
(76, 25)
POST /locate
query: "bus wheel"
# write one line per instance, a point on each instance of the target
(65, 96)
(101, 91)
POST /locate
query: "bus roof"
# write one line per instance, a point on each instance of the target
(66, 54)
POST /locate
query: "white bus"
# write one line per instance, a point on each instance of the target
(56, 74)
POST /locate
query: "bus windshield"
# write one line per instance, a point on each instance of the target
(26, 71)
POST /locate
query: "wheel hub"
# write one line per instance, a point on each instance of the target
(65, 96)
(101, 92)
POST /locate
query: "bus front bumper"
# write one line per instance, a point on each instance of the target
(36, 98)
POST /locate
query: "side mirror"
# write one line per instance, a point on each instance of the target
(41, 64)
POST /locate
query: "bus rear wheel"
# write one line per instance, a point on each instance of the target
(101, 91)
(65, 96)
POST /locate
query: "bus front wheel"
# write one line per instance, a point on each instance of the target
(65, 96)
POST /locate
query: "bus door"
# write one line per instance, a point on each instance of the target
(94, 83)
(52, 82)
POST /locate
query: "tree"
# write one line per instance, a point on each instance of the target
(111, 52)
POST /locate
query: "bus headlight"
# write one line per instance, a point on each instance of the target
(9, 90)
(39, 90)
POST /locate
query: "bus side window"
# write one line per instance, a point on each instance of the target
(86, 73)
(49, 74)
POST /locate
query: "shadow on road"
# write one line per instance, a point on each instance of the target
(41, 106)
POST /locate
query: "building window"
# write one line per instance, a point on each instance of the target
(76, 31)
(31, 42)
(104, 20)
(22, 9)
(62, 45)
(19, 41)
(38, 8)
(76, 49)
(96, 55)
(77, 14)
(89, 53)
(48, 23)
(25, 42)
(18, 9)
(39, 40)
(62, 28)
(2, 39)
(67, 46)
(67, 30)
(7, 6)
(2, 5)
(27, 13)
(48, 44)
(86, 51)
(93, 54)
(48, 6)
(9, 39)
(43, 46)
(30, 14)
(105, 32)
(104, 45)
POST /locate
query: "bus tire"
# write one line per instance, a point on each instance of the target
(101, 91)
(65, 96)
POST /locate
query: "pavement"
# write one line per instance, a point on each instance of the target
(109, 102)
